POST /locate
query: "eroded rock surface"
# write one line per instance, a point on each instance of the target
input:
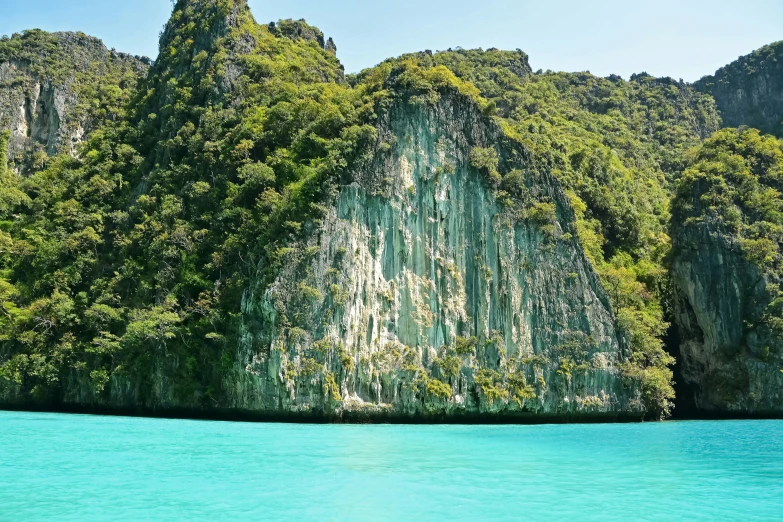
(729, 366)
(749, 91)
(421, 294)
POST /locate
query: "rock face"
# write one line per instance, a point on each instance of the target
(35, 114)
(442, 279)
(749, 91)
(422, 295)
(48, 83)
(726, 268)
(730, 367)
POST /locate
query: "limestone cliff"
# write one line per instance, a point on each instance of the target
(731, 367)
(749, 91)
(421, 294)
(726, 269)
(56, 88)
(259, 236)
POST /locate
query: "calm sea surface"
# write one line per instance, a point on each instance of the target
(73, 467)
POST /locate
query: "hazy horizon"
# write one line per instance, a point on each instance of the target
(685, 40)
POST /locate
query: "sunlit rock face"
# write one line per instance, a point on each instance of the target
(48, 95)
(422, 295)
(749, 91)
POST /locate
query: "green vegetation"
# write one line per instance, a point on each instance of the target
(450, 365)
(131, 258)
(225, 157)
(520, 390)
(439, 388)
(486, 160)
(490, 383)
(141, 247)
(735, 180)
(11, 195)
(734, 186)
(101, 81)
(616, 146)
(465, 346)
(331, 389)
(747, 91)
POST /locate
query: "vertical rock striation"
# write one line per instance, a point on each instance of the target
(749, 91)
(421, 294)
(279, 241)
(726, 269)
(731, 367)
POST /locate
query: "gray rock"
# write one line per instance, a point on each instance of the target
(415, 253)
(730, 366)
(749, 91)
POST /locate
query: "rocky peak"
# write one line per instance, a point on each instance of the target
(198, 24)
(300, 29)
(749, 91)
(72, 51)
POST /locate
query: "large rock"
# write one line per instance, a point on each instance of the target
(730, 367)
(726, 268)
(426, 287)
(749, 91)
(50, 85)
(416, 257)
(300, 29)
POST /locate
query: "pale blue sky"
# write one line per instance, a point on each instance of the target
(679, 38)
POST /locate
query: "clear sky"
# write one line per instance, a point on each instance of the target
(679, 38)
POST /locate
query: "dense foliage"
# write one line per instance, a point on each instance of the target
(734, 186)
(78, 67)
(615, 146)
(143, 243)
(234, 141)
(134, 255)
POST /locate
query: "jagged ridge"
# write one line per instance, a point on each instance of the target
(748, 90)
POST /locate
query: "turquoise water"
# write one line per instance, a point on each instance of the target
(72, 467)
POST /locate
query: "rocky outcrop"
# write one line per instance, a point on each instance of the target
(726, 268)
(731, 361)
(260, 268)
(35, 115)
(48, 83)
(749, 91)
(300, 29)
(419, 297)
(422, 295)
